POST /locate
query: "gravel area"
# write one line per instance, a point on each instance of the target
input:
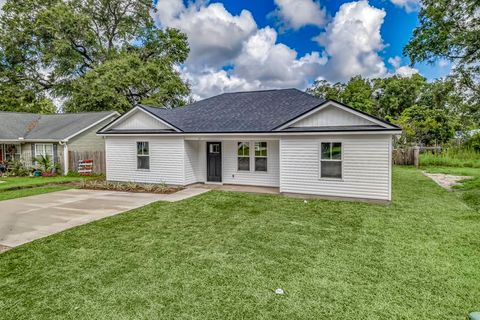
(446, 181)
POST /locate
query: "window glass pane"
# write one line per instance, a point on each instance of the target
(243, 163)
(243, 149)
(142, 148)
(331, 169)
(260, 149)
(48, 149)
(38, 149)
(143, 162)
(325, 150)
(336, 150)
(260, 164)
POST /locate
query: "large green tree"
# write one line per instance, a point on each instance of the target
(450, 30)
(92, 54)
(357, 92)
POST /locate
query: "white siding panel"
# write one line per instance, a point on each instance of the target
(140, 120)
(166, 160)
(366, 167)
(192, 163)
(332, 116)
(231, 175)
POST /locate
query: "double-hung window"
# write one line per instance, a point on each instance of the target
(261, 156)
(331, 160)
(44, 149)
(243, 156)
(143, 155)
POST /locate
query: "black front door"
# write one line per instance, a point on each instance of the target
(214, 161)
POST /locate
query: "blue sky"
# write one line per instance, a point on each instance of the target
(262, 44)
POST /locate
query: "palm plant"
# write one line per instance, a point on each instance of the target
(44, 162)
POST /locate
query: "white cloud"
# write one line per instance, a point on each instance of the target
(211, 82)
(404, 71)
(352, 41)
(298, 13)
(218, 39)
(229, 52)
(215, 36)
(275, 64)
(407, 5)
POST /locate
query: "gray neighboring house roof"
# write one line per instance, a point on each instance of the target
(241, 112)
(30, 126)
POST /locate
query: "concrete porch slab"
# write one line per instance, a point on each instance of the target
(236, 188)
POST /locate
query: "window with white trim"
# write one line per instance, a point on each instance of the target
(331, 160)
(12, 152)
(243, 156)
(44, 149)
(143, 155)
(261, 156)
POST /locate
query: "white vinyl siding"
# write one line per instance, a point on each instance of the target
(166, 160)
(331, 116)
(366, 167)
(231, 174)
(193, 169)
(140, 120)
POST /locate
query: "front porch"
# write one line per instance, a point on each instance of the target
(236, 188)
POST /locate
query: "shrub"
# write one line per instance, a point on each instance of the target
(18, 169)
(474, 142)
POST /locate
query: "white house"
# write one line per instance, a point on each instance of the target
(278, 138)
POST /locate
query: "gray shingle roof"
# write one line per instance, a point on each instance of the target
(14, 125)
(253, 111)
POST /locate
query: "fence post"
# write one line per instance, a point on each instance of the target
(416, 156)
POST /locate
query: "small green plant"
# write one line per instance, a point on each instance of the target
(18, 169)
(44, 163)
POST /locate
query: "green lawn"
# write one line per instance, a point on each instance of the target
(221, 256)
(469, 189)
(27, 182)
(17, 187)
(20, 193)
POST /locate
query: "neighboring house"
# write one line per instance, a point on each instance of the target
(27, 135)
(278, 138)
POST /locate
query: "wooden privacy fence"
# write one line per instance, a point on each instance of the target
(98, 158)
(411, 155)
(403, 156)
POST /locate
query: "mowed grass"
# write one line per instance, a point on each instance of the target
(20, 193)
(469, 190)
(221, 256)
(28, 182)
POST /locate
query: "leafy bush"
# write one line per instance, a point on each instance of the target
(474, 142)
(18, 169)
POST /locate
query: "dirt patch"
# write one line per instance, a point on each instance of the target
(446, 181)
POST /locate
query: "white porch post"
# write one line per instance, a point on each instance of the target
(65, 158)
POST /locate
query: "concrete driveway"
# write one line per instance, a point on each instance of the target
(25, 219)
